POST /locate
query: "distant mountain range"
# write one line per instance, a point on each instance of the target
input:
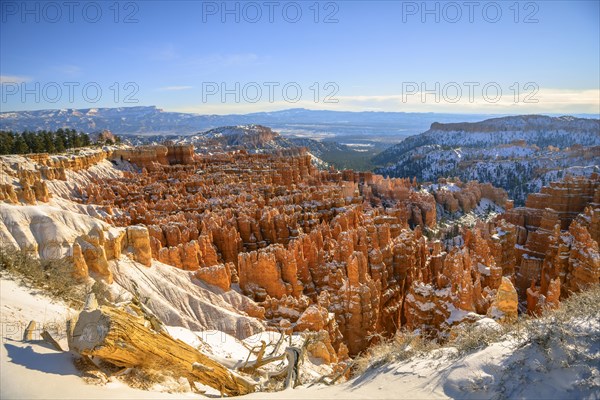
(292, 122)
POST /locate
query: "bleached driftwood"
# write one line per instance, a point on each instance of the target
(125, 338)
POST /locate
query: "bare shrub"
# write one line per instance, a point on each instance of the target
(556, 329)
(403, 346)
(54, 277)
(469, 337)
(149, 378)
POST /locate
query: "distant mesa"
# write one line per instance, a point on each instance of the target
(519, 154)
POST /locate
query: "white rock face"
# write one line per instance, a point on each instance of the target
(178, 299)
(45, 230)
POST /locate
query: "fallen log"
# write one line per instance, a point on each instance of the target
(125, 338)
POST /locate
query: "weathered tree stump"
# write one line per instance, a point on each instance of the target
(125, 338)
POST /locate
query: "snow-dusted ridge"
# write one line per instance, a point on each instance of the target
(519, 154)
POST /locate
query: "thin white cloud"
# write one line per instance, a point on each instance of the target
(549, 101)
(225, 60)
(174, 88)
(166, 52)
(69, 70)
(4, 79)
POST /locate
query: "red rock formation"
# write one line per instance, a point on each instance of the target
(544, 253)
(584, 259)
(538, 302)
(180, 154)
(8, 194)
(217, 275)
(568, 197)
(456, 195)
(147, 157)
(94, 254)
(332, 252)
(505, 304)
(138, 239)
(502, 247)
(80, 268)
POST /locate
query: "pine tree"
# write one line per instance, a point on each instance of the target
(59, 143)
(20, 145)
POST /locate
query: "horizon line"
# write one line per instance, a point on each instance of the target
(306, 109)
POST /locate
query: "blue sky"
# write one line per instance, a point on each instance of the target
(366, 55)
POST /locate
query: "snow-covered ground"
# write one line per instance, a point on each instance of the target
(514, 367)
(57, 377)
(519, 154)
(34, 370)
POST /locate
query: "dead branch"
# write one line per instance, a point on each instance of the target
(49, 339)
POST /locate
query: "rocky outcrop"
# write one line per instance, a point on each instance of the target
(537, 302)
(56, 166)
(151, 157)
(8, 194)
(456, 195)
(273, 224)
(138, 239)
(180, 154)
(217, 275)
(505, 304)
(583, 261)
(30, 189)
(94, 254)
(567, 197)
(554, 240)
(26, 181)
(80, 268)
(143, 156)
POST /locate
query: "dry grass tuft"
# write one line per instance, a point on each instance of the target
(403, 346)
(53, 277)
(557, 328)
(149, 379)
(469, 337)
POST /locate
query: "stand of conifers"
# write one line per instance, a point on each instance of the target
(130, 336)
